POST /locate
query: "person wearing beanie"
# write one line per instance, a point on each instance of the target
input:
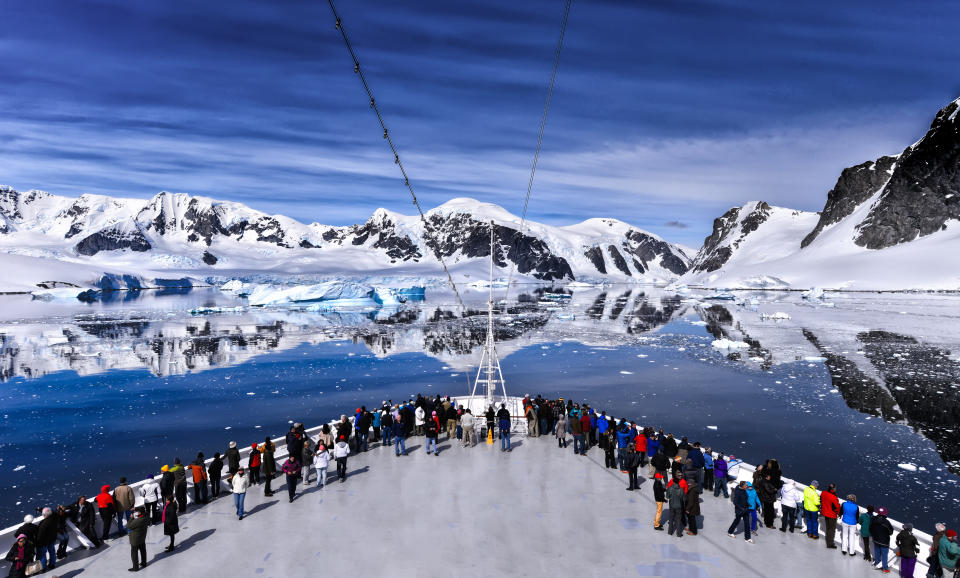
(107, 510)
(214, 471)
(238, 485)
(949, 552)
(659, 496)
(232, 456)
(20, 556)
(180, 485)
(291, 469)
(933, 560)
(880, 530)
(908, 547)
(253, 465)
(321, 460)
(171, 523)
(431, 431)
(849, 512)
(340, 452)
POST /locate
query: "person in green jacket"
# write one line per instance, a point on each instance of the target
(949, 552)
(137, 532)
(865, 519)
(811, 510)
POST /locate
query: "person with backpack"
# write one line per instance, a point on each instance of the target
(676, 497)
(431, 430)
(849, 512)
(880, 530)
(933, 560)
(741, 511)
(503, 417)
(340, 452)
(908, 547)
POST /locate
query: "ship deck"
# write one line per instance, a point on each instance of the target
(537, 511)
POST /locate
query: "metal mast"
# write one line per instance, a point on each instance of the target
(489, 361)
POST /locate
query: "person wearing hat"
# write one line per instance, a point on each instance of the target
(880, 530)
(659, 496)
(321, 460)
(167, 481)
(253, 465)
(811, 510)
(431, 429)
(865, 519)
(340, 452)
(137, 530)
(233, 459)
(198, 471)
(171, 523)
(907, 548)
(180, 485)
(214, 471)
(933, 561)
(268, 465)
(107, 510)
(948, 553)
(20, 556)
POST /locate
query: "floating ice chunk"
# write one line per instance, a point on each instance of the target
(641, 355)
(626, 373)
(713, 427)
(728, 344)
(908, 467)
(699, 323)
(250, 393)
(813, 293)
(777, 315)
(18, 468)
(814, 358)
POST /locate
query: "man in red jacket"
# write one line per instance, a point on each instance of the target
(585, 422)
(830, 508)
(107, 508)
(641, 441)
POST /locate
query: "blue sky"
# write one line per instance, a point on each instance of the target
(666, 112)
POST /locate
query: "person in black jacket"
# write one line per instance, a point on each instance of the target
(294, 442)
(171, 524)
(741, 511)
(28, 529)
(86, 521)
(344, 429)
(63, 514)
(137, 531)
(233, 459)
(767, 492)
(47, 539)
(632, 462)
(363, 430)
(167, 482)
(660, 462)
(20, 556)
(659, 496)
(214, 471)
(909, 547)
(880, 532)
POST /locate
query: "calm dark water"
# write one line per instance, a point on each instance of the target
(160, 387)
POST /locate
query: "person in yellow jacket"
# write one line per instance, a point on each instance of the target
(811, 510)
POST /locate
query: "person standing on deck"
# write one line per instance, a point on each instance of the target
(585, 424)
(294, 441)
(532, 423)
(124, 498)
(659, 496)
(291, 468)
(768, 496)
(754, 503)
(811, 510)
(199, 472)
(239, 484)
(909, 547)
(880, 530)
(399, 435)
(933, 560)
(386, 427)
(865, 519)
(86, 521)
(431, 428)
(576, 428)
(326, 436)
(20, 556)
(633, 462)
(180, 484)
(214, 472)
(610, 449)
(848, 526)
(695, 455)
(233, 459)
(150, 492)
(344, 429)
(948, 554)
(592, 437)
(137, 530)
(640, 442)
(375, 424)
(708, 469)
(602, 426)
(305, 459)
(268, 465)
(491, 420)
(419, 418)
(468, 423)
(107, 509)
(544, 412)
(692, 508)
(453, 420)
(321, 460)
(253, 465)
(790, 500)
(561, 430)
(364, 422)
(675, 496)
(47, 540)
(171, 523)
(624, 437)
(504, 424)
(340, 452)
(830, 507)
(741, 511)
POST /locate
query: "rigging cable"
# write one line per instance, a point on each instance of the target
(536, 155)
(435, 246)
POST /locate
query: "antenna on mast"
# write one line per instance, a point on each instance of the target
(489, 361)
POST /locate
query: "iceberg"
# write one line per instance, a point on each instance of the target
(729, 344)
(813, 293)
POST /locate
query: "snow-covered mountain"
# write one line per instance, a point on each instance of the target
(201, 236)
(891, 223)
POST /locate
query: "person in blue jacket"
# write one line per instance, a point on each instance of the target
(602, 426)
(753, 503)
(624, 437)
(849, 516)
(695, 455)
(593, 427)
(503, 415)
(707, 469)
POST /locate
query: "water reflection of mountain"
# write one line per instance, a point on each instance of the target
(877, 367)
(171, 344)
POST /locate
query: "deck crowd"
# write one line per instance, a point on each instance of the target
(682, 472)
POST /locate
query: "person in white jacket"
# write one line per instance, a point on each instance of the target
(467, 423)
(340, 451)
(791, 499)
(239, 485)
(150, 492)
(321, 460)
(419, 419)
